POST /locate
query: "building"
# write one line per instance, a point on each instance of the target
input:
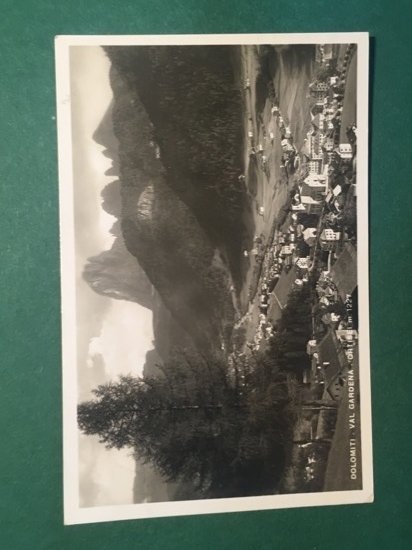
(318, 90)
(286, 250)
(330, 235)
(309, 204)
(344, 151)
(315, 166)
(313, 208)
(318, 121)
(298, 207)
(314, 145)
(310, 235)
(315, 192)
(317, 180)
(310, 199)
(328, 144)
(329, 238)
(303, 263)
(318, 86)
(317, 108)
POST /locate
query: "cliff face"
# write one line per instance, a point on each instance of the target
(160, 231)
(116, 273)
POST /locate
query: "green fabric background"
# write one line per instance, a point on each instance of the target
(30, 368)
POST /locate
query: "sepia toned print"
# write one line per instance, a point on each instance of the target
(213, 194)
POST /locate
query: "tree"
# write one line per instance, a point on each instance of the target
(193, 425)
(112, 415)
(185, 422)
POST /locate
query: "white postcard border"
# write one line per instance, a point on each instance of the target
(73, 514)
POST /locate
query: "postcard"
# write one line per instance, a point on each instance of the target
(214, 273)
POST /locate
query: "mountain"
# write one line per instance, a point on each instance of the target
(192, 101)
(160, 230)
(111, 200)
(117, 274)
(174, 132)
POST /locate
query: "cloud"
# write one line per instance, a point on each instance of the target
(125, 337)
(106, 476)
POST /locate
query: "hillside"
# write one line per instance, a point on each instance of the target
(177, 198)
(195, 111)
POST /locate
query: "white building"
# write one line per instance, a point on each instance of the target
(303, 263)
(315, 166)
(345, 151)
(328, 144)
(330, 235)
(309, 235)
(316, 180)
(298, 207)
(286, 250)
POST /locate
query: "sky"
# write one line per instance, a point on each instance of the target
(113, 336)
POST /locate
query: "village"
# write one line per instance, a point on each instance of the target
(312, 244)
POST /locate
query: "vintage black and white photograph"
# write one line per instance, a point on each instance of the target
(214, 264)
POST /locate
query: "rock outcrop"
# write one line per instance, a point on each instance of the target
(117, 274)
